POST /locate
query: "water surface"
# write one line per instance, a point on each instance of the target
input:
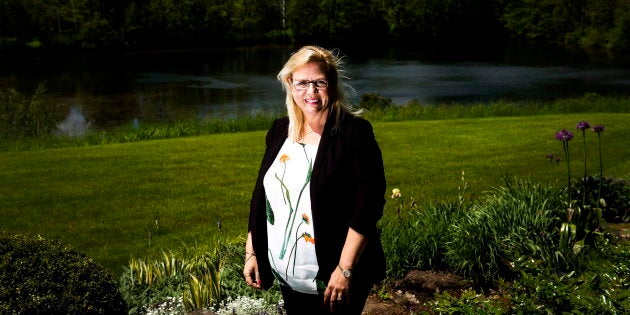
(109, 90)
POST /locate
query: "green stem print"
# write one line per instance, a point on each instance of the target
(307, 238)
(292, 210)
(293, 250)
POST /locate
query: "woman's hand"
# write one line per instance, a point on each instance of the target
(250, 268)
(250, 271)
(338, 290)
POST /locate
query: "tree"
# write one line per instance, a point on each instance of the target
(255, 20)
(334, 21)
(175, 20)
(537, 19)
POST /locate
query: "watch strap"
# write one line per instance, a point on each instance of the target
(346, 272)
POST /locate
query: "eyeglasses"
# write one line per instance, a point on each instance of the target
(304, 84)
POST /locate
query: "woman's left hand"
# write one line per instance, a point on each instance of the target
(338, 290)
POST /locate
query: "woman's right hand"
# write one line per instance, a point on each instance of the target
(250, 271)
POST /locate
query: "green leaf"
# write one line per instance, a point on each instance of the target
(270, 217)
(577, 247)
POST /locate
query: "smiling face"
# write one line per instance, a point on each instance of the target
(313, 100)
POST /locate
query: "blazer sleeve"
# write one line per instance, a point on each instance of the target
(368, 176)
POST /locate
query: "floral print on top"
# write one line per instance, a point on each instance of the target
(291, 240)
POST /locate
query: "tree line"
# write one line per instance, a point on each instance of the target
(123, 24)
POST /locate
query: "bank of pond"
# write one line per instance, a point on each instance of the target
(30, 121)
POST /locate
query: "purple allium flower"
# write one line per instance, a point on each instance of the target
(558, 159)
(598, 128)
(583, 125)
(549, 156)
(564, 135)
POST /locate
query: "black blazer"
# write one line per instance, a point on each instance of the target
(347, 190)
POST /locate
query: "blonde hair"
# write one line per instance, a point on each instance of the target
(331, 65)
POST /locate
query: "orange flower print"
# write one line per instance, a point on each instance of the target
(307, 237)
(305, 218)
(284, 158)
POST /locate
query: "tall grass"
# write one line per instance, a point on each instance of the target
(142, 132)
(381, 109)
(509, 227)
(512, 224)
(417, 238)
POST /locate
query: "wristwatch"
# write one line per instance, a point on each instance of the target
(346, 272)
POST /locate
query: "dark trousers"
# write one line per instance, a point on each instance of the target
(296, 303)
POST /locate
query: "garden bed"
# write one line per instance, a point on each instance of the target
(409, 295)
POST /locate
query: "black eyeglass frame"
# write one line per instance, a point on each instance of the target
(303, 85)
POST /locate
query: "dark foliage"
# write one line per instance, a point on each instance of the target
(600, 288)
(614, 192)
(39, 276)
(87, 24)
(371, 101)
(27, 116)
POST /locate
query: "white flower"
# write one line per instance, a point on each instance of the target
(244, 305)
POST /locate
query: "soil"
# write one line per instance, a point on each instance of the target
(408, 295)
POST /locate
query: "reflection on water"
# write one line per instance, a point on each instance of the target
(473, 82)
(104, 91)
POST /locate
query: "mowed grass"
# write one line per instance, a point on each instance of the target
(113, 201)
(426, 159)
(121, 200)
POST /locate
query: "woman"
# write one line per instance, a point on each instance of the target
(318, 197)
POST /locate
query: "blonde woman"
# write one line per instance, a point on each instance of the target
(318, 197)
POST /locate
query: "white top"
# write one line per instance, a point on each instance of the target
(289, 218)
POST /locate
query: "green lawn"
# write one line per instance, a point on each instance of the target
(115, 201)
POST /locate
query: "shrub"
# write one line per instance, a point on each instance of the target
(21, 116)
(371, 101)
(39, 276)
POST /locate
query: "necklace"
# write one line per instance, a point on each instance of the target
(306, 134)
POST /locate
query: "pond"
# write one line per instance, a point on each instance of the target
(105, 90)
